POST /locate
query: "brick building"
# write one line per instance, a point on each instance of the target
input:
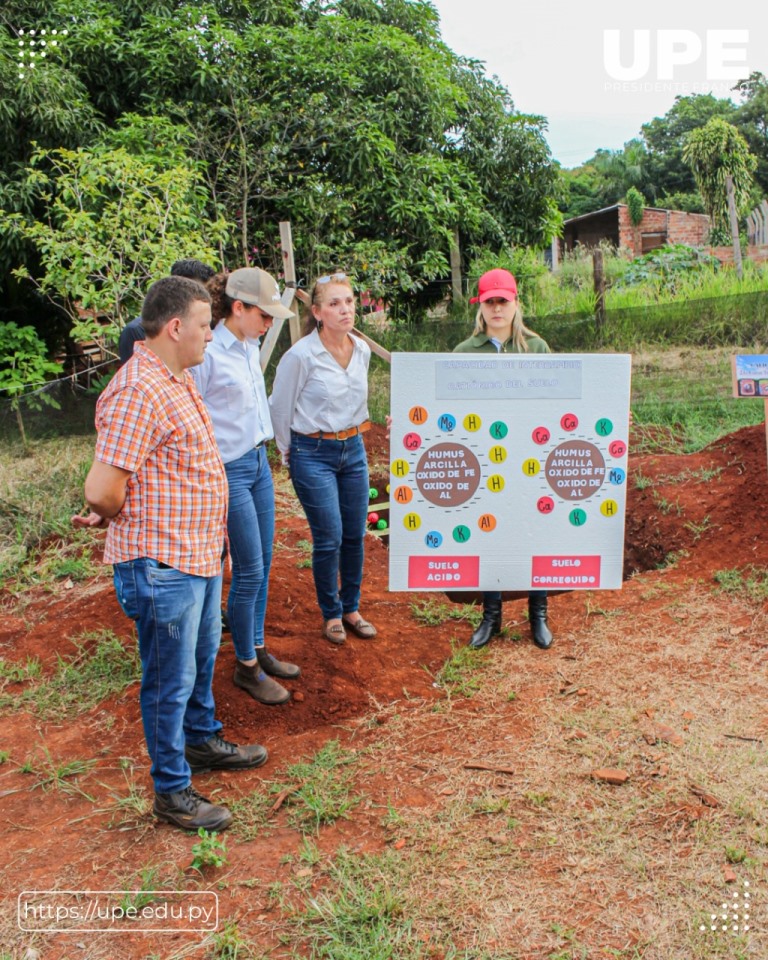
(657, 228)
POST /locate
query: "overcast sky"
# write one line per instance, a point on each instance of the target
(597, 89)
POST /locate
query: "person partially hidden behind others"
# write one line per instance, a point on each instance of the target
(499, 328)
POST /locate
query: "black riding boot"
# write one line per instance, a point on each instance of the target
(537, 616)
(490, 625)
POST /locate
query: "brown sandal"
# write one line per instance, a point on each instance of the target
(334, 634)
(361, 628)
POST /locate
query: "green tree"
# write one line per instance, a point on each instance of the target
(665, 139)
(352, 119)
(24, 371)
(752, 121)
(117, 216)
(713, 152)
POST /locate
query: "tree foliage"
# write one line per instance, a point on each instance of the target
(715, 152)
(352, 119)
(117, 216)
(654, 163)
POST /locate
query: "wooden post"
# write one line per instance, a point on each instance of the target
(597, 267)
(289, 269)
(288, 299)
(555, 254)
(456, 290)
(734, 226)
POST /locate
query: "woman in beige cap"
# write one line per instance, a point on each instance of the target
(245, 302)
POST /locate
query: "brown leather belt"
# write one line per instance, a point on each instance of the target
(341, 434)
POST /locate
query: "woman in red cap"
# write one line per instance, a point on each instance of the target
(499, 328)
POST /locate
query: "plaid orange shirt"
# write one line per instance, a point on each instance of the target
(155, 425)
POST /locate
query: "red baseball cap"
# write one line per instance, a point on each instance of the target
(495, 283)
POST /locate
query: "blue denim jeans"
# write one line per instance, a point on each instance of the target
(178, 620)
(251, 529)
(331, 480)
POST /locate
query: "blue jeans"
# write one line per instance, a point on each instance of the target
(178, 620)
(331, 480)
(251, 529)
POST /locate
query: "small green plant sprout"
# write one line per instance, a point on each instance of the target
(229, 944)
(209, 851)
(4, 756)
(735, 854)
(667, 507)
(697, 529)
(309, 852)
(324, 791)
(641, 481)
(150, 880)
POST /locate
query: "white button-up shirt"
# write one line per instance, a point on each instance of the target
(312, 391)
(232, 385)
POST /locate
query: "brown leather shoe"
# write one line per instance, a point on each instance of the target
(276, 668)
(190, 810)
(361, 628)
(334, 633)
(259, 685)
(217, 753)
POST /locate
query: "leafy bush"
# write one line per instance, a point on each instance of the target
(667, 265)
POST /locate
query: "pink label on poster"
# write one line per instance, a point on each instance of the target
(565, 573)
(460, 573)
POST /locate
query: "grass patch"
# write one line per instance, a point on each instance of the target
(102, 666)
(749, 583)
(305, 550)
(432, 613)
(460, 674)
(320, 789)
(364, 914)
(39, 492)
(58, 775)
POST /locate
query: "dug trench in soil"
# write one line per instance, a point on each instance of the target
(703, 511)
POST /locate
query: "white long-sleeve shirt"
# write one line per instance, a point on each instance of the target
(232, 385)
(312, 391)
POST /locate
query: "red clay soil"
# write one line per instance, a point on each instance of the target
(52, 839)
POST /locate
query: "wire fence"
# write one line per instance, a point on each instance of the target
(681, 355)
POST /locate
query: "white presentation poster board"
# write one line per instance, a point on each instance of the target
(508, 471)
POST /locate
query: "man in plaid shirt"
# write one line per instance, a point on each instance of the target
(158, 484)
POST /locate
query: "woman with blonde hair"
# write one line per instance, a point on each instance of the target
(499, 328)
(319, 408)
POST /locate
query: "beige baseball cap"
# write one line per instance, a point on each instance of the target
(256, 287)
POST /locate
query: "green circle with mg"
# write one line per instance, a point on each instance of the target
(498, 430)
(461, 533)
(578, 517)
